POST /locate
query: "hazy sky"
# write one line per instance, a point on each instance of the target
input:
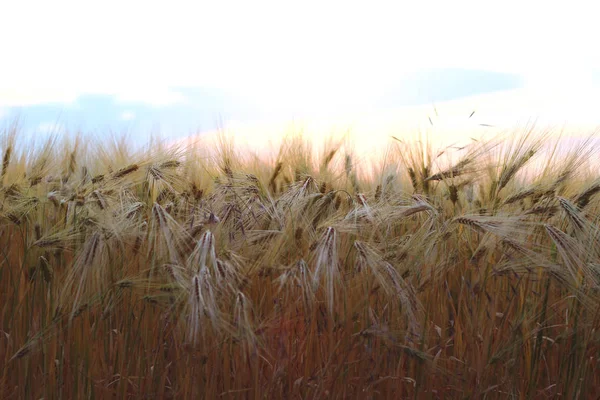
(181, 66)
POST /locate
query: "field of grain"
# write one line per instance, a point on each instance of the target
(471, 271)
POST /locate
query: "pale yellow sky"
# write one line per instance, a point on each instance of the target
(499, 114)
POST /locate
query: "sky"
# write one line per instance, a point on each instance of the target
(186, 67)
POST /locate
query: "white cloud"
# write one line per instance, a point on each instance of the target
(295, 51)
(153, 96)
(14, 96)
(127, 116)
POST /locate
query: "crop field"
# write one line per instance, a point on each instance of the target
(470, 271)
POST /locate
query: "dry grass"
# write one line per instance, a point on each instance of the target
(209, 273)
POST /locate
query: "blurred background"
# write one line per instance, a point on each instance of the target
(260, 69)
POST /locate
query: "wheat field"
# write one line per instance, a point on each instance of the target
(165, 272)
